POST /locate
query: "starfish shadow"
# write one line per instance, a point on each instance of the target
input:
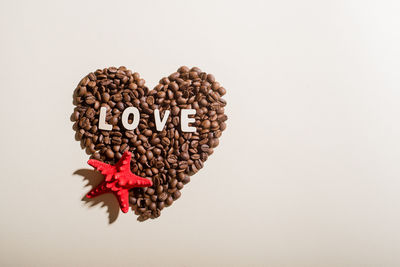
(92, 179)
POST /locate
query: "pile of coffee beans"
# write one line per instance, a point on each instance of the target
(168, 157)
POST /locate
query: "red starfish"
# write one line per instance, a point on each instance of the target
(119, 179)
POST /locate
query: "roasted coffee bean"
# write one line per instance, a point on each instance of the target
(168, 157)
(163, 196)
(132, 200)
(109, 153)
(195, 156)
(141, 150)
(184, 156)
(173, 183)
(96, 155)
(105, 97)
(160, 205)
(175, 111)
(206, 124)
(181, 176)
(165, 141)
(169, 201)
(75, 115)
(149, 155)
(155, 141)
(160, 189)
(143, 159)
(204, 147)
(177, 194)
(123, 148)
(172, 159)
(185, 147)
(179, 185)
(199, 164)
(186, 179)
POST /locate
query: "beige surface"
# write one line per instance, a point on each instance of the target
(307, 173)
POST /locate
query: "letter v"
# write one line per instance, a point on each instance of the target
(160, 124)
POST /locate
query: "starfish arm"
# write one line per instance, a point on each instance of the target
(123, 199)
(98, 190)
(143, 182)
(124, 163)
(104, 168)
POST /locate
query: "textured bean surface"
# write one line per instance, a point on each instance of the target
(168, 157)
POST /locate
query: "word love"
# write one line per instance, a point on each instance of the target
(160, 123)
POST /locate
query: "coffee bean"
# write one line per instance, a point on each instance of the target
(172, 159)
(169, 201)
(163, 196)
(199, 164)
(147, 132)
(109, 153)
(183, 165)
(149, 155)
(184, 156)
(157, 151)
(96, 155)
(205, 148)
(185, 147)
(177, 194)
(105, 97)
(179, 185)
(173, 183)
(183, 69)
(153, 206)
(175, 110)
(90, 100)
(141, 150)
(186, 179)
(206, 124)
(132, 200)
(150, 100)
(214, 125)
(160, 189)
(172, 172)
(165, 141)
(161, 94)
(155, 141)
(120, 106)
(75, 115)
(160, 205)
(143, 159)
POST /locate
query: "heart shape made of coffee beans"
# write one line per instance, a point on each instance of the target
(168, 157)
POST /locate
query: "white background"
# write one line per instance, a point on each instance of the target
(306, 174)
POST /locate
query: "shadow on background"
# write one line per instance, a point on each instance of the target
(92, 179)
